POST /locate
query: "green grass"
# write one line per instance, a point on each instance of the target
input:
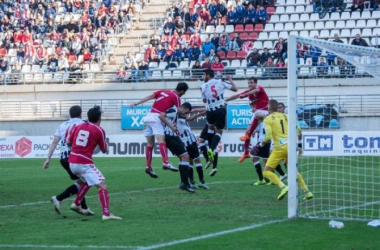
(156, 212)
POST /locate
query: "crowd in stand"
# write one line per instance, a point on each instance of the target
(328, 6)
(59, 35)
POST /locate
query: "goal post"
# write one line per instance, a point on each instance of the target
(346, 185)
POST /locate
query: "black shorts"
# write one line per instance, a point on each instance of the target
(193, 151)
(204, 135)
(66, 165)
(263, 152)
(175, 145)
(217, 118)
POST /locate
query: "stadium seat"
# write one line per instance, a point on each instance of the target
(300, 2)
(232, 35)
(259, 27)
(293, 32)
(304, 33)
(314, 33)
(249, 28)
(235, 63)
(226, 63)
(340, 25)
(294, 17)
(376, 15)
(270, 10)
(156, 74)
(299, 26)
(243, 63)
(290, 2)
(314, 17)
(283, 34)
(375, 41)
(354, 32)
(304, 17)
(333, 32)
(269, 27)
(210, 29)
(366, 15)
(263, 36)
(252, 36)
(268, 44)
(221, 54)
(258, 45)
(280, 10)
(284, 18)
(366, 32)
(231, 3)
(355, 15)
(335, 16)
(241, 55)
(350, 24)
(309, 9)
(319, 25)
(309, 26)
(244, 36)
(345, 16)
(324, 34)
(239, 28)
(370, 23)
(95, 67)
(290, 10)
(162, 65)
(229, 28)
(300, 9)
(153, 65)
(273, 35)
(345, 33)
(204, 37)
(274, 19)
(177, 74)
(376, 32)
(231, 55)
(167, 74)
(12, 52)
(329, 25)
(280, 2)
(219, 29)
(279, 27)
(289, 26)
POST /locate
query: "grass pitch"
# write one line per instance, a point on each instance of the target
(232, 214)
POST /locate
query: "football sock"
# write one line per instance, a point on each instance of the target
(184, 172)
(253, 127)
(67, 193)
(164, 153)
(215, 141)
(259, 170)
(81, 193)
(246, 146)
(191, 174)
(148, 156)
(215, 162)
(203, 149)
(200, 172)
(279, 170)
(273, 178)
(301, 182)
(104, 201)
(210, 136)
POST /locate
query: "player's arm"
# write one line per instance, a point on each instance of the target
(203, 109)
(232, 83)
(70, 139)
(145, 99)
(103, 146)
(233, 97)
(162, 117)
(193, 117)
(53, 145)
(251, 92)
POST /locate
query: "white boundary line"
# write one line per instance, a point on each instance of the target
(113, 194)
(168, 244)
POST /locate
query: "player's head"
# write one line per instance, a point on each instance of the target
(75, 111)
(281, 107)
(94, 114)
(181, 88)
(273, 106)
(185, 108)
(208, 74)
(252, 82)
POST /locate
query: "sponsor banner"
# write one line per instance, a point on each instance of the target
(238, 116)
(133, 118)
(330, 143)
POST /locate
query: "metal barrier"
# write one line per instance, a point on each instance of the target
(355, 105)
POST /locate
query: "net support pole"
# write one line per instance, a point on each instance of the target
(292, 130)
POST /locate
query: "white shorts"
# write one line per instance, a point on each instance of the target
(259, 111)
(153, 125)
(87, 173)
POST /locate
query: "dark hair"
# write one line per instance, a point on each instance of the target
(187, 105)
(94, 114)
(182, 86)
(273, 105)
(209, 72)
(281, 104)
(75, 111)
(253, 79)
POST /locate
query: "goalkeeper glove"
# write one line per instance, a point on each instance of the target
(255, 149)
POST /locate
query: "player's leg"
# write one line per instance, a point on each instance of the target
(257, 153)
(193, 152)
(191, 174)
(214, 164)
(219, 118)
(104, 201)
(184, 169)
(274, 159)
(259, 171)
(164, 153)
(247, 140)
(149, 135)
(203, 142)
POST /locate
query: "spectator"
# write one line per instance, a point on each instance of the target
(3, 52)
(206, 64)
(240, 12)
(169, 54)
(121, 74)
(63, 63)
(221, 10)
(179, 25)
(262, 16)
(15, 76)
(143, 72)
(194, 53)
(178, 55)
(130, 64)
(359, 41)
(4, 67)
(76, 45)
(251, 14)
(264, 56)
(195, 39)
(236, 43)
(198, 26)
(52, 64)
(337, 5)
(218, 67)
(231, 15)
(182, 42)
(75, 73)
(268, 69)
(279, 48)
(224, 42)
(169, 26)
(322, 68)
(207, 47)
(357, 4)
(215, 40)
(154, 41)
(150, 54)
(212, 56)
(330, 60)
(280, 68)
(160, 53)
(196, 71)
(50, 11)
(87, 56)
(205, 16)
(30, 53)
(316, 4)
(212, 10)
(254, 58)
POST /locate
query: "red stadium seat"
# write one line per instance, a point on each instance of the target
(232, 36)
(244, 36)
(239, 28)
(240, 55)
(221, 54)
(270, 10)
(231, 55)
(249, 28)
(252, 36)
(259, 27)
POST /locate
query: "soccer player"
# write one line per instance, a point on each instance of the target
(213, 96)
(258, 99)
(61, 135)
(190, 141)
(260, 152)
(153, 127)
(175, 144)
(277, 130)
(84, 139)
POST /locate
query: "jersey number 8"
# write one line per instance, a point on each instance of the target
(82, 138)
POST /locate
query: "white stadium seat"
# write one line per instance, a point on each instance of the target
(314, 17)
(371, 23)
(350, 24)
(294, 17)
(340, 25)
(335, 16)
(319, 25)
(284, 18)
(279, 27)
(300, 9)
(366, 15)
(355, 15)
(354, 32)
(345, 16)
(299, 26)
(290, 9)
(269, 27)
(273, 35)
(345, 33)
(289, 26)
(304, 17)
(309, 26)
(314, 33)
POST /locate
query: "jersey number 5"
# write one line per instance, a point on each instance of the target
(213, 90)
(82, 138)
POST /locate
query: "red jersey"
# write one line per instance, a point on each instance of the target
(165, 99)
(259, 100)
(84, 139)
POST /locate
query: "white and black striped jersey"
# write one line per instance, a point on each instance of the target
(63, 132)
(171, 116)
(212, 92)
(260, 132)
(185, 133)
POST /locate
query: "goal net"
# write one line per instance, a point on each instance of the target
(333, 95)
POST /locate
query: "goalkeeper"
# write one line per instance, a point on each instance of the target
(277, 130)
